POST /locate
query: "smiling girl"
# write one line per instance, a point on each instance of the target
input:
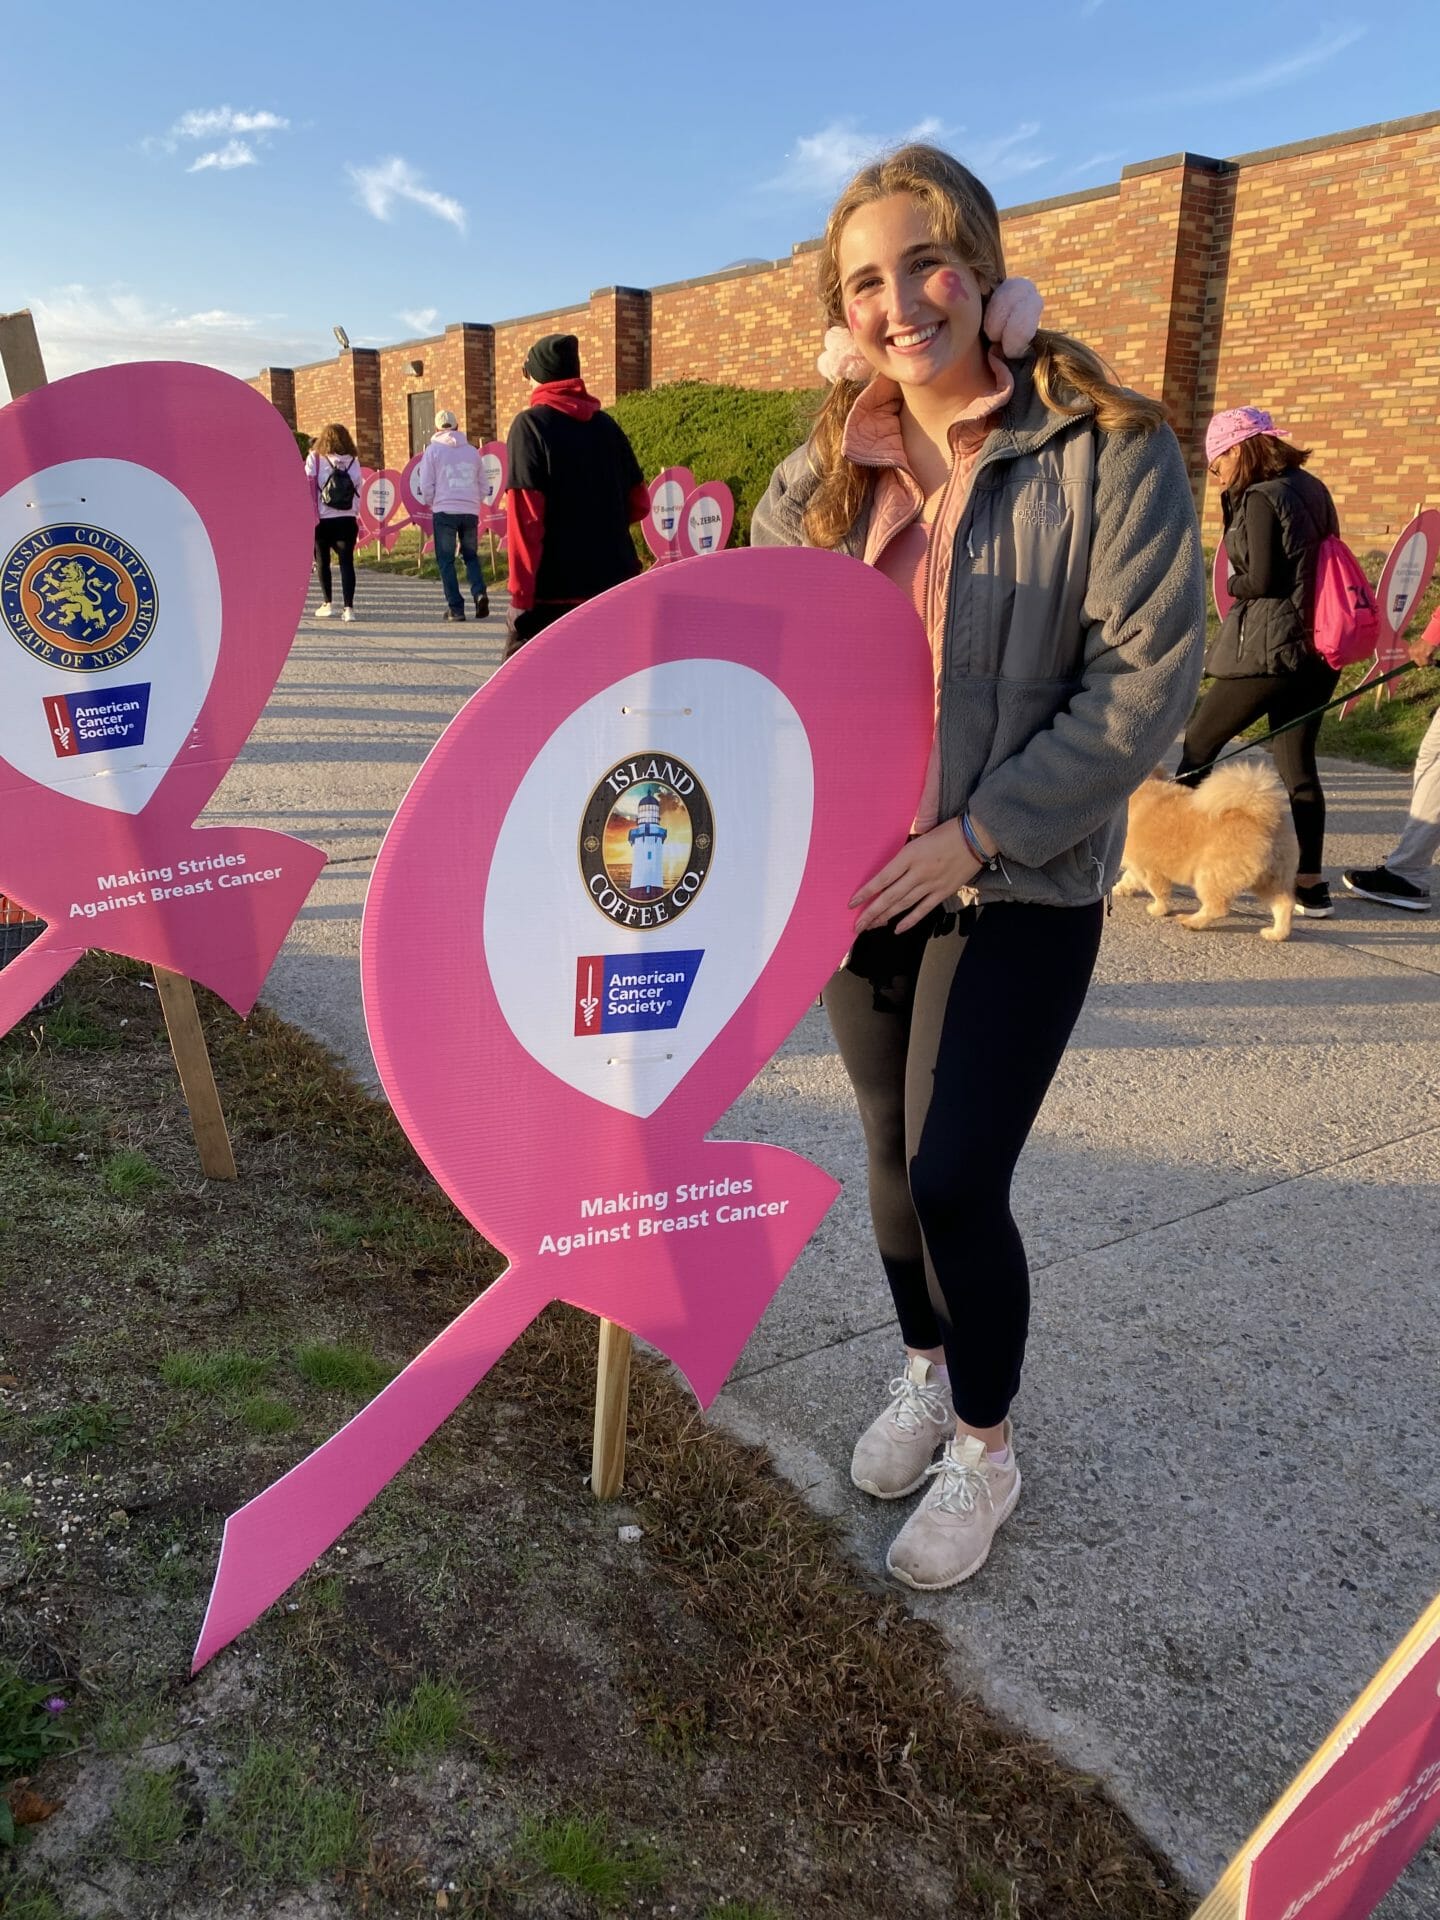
(1040, 518)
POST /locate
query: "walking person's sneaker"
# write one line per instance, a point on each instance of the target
(348, 614)
(893, 1454)
(1314, 903)
(324, 610)
(455, 613)
(1378, 883)
(482, 607)
(948, 1536)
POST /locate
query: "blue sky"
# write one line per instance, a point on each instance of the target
(225, 185)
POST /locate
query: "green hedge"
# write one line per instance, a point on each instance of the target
(721, 433)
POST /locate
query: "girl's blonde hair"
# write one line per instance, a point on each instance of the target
(963, 216)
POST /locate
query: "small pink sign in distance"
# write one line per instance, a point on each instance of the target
(139, 641)
(707, 518)
(1403, 580)
(379, 502)
(417, 513)
(663, 526)
(613, 889)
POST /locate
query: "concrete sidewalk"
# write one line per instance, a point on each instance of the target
(1232, 1206)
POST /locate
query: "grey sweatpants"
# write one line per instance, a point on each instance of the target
(1418, 845)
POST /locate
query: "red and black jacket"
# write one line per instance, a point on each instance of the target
(575, 488)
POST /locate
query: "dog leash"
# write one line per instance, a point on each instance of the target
(1249, 746)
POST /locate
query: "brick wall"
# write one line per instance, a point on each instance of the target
(1305, 279)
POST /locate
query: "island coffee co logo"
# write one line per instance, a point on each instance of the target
(78, 598)
(646, 841)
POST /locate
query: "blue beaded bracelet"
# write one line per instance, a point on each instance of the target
(989, 861)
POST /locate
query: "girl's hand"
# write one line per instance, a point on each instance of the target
(925, 872)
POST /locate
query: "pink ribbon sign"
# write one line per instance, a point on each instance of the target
(139, 641)
(708, 516)
(417, 512)
(1403, 579)
(1364, 1808)
(379, 503)
(662, 525)
(615, 886)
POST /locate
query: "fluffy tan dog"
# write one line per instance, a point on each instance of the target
(1229, 835)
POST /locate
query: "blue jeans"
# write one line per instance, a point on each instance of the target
(449, 527)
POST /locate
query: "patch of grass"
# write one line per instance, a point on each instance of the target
(31, 1903)
(425, 1723)
(123, 1725)
(583, 1853)
(221, 1374)
(150, 1815)
(70, 1028)
(83, 1427)
(27, 1112)
(130, 1173)
(14, 1505)
(283, 1824)
(263, 1414)
(342, 1369)
(996, 1889)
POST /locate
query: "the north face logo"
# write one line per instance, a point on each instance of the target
(1031, 511)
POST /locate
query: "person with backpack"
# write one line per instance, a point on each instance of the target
(451, 482)
(1265, 663)
(333, 467)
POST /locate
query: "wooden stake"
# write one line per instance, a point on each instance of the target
(612, 1402)
(197, 1076)
(25, 371)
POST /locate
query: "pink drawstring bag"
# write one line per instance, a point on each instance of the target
(1347, 622)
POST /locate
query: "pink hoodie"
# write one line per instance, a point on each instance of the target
(449, 478)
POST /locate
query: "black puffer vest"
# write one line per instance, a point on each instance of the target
(1272, 633)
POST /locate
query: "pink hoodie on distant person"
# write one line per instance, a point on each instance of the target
(449, 478)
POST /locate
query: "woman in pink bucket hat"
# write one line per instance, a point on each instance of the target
(1263, 661)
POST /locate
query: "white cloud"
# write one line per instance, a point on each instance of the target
(234, 153)
(1244, 81)
(1005, 156)
(81, 326)
(820, 163)
(420, 319)
(210, 123)
(379, 187)
(201, 123)
(1095, 164)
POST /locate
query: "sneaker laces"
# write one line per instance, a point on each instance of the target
(961, 1484)
(911, 1404)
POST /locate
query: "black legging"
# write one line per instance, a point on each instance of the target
(1231, 706)
(338, 533)
(951, 1042)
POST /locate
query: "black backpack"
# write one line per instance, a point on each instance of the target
(338, 492)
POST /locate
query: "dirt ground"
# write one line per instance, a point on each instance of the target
(483, 1700)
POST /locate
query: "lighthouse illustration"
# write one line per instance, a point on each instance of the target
(647, 848)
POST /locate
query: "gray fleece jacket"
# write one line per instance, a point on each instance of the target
(1074, 631)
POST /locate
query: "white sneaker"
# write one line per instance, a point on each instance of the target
(324, 610)
(893, 1454)
(948, 1536)
(348, 614)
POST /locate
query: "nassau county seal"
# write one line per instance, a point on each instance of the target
(78, 598)
(646, 841)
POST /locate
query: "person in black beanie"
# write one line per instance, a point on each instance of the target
(575, 489)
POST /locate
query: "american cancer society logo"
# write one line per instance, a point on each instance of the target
(78, 598)
(633, 993)
(98, 722)
(646, 841)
